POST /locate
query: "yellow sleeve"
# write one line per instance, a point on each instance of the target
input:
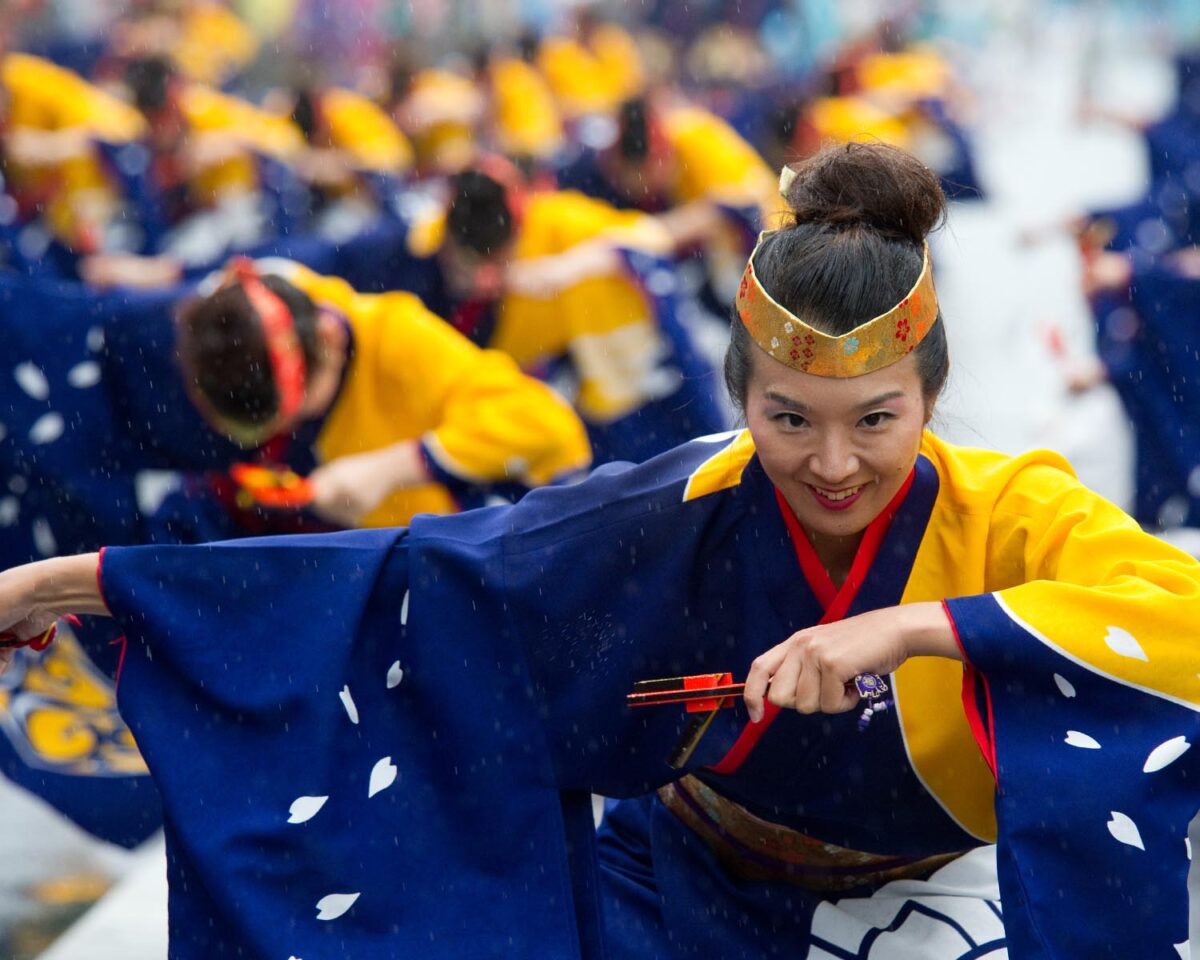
(526, 119)
(1083, 576)
(208, 111)
(45, 96)
(364, 131)
(556, 221)
(574, 76)
(321, 289)
(214, 43)
(620, 63)
(715, 163)
(488, 421)
(605, 324)
(846, 119)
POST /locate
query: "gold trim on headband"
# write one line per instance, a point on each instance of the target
(868, 347)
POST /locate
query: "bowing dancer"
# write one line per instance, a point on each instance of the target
(570, 286)
(442, 699)
(391, 410)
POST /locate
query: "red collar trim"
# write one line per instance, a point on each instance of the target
(836, 602)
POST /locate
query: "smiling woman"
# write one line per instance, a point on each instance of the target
(449, 694)
(839, 447)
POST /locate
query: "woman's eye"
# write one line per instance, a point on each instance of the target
(876, 419)
(793, 420)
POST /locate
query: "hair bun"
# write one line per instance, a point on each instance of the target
(871, 185)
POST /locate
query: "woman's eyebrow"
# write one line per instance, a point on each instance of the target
(786, 401)
(882, 398)
(803, 407)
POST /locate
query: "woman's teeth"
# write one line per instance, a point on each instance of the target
(837, 495)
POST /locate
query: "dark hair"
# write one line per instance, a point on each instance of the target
(223, 352)
(528, 44)
(305, 111)
(479, 218)
(147, 79)
(855, 247)
(633, 125)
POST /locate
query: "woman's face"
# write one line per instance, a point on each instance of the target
(837, 449)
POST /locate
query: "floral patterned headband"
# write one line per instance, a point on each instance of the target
(868, 347)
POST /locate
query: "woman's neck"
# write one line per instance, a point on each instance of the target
(835, 553)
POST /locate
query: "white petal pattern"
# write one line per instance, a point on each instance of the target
(348, 703)
(43, 538)
(304, 809)
(394, 675)
(1125, 643)
(404, 609)
(84, 375)
(334, 905)
(1125, 830)
(1064, 686)
(383, 775)
(32, 380)
(47, 428)
(1166, 753)
(1076, 739)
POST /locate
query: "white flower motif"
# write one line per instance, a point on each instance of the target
(334, 905)
(383, 775)
(1125, 830)
(43, 538)
(32, 380)
(348, 703)
(47, 428)
(1064, 686)
(304, 809)
(84, 375)
(1166, 753)
(1076, 739)
(1125, 643)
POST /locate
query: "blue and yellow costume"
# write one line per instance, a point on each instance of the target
(642, 386)
(479, 420)
(472, 772)
(77, 195)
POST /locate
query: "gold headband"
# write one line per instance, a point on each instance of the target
(868, 347)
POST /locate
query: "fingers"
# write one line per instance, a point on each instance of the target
(761, 671)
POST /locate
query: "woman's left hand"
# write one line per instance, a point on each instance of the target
(814, 669)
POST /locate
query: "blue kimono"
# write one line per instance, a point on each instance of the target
(382, 743)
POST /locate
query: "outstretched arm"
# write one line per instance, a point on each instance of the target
(34, 596)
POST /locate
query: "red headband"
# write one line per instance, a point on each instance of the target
(288, 368)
